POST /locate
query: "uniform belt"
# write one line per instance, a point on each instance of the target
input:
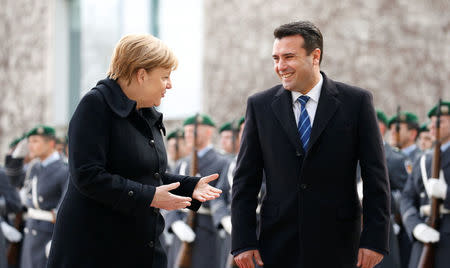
(426, 210)
(39, 214)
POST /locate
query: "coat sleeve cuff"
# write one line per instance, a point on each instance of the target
(239, 251)
(135, 196)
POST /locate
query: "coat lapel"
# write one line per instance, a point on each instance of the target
(328, 104)
(282, 108)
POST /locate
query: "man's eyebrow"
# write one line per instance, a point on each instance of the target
(284, 54)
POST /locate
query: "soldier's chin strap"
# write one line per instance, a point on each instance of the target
(423, 171)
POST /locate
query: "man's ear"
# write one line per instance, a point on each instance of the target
(316, 55)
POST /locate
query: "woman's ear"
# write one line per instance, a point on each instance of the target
(141, 75)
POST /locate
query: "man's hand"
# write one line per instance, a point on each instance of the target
(203, 191)
(368, 258)
(245, 259)
(168, 201)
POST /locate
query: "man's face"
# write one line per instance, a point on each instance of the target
(292, 65)
(204, 135)
(382, 128)
(171, 148)
(407, 136)
(40, 146)
(425, 140)
(444, 133)
(226, 141)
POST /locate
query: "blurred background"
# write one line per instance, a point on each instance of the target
(53, 51)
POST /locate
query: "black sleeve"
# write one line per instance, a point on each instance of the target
(376, 200)
(246, 185)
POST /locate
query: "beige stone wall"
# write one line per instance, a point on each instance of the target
(24, 66)
(398, 49)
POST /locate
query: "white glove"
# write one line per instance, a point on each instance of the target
(396, 228)
(425, 233)
(183, 231)
(226, 224)
(425, 210)
(21, 149)
(47, 248)
(437, 188)
(10, 233)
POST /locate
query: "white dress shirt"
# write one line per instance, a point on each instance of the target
(311, 105)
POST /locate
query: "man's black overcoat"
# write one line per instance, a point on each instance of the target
(311, 215)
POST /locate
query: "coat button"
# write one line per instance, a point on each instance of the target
(41, 199)
(156, 210)
(303, 186)
(152, 142)
(130, 193)
(157, 175)
(298, 153)
(150, 244)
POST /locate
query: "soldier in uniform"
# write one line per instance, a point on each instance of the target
(44, 188)
(420, 187)
(207, 245)
(221, 207)
(395, 162)
(409, 131)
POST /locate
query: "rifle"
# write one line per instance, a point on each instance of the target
(397, 129)
(184, 258)
(429, 249)
(177, 145)
(13, 251)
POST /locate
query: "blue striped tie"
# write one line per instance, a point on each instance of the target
(304, 125)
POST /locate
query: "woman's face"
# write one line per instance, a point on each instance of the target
(154, 85)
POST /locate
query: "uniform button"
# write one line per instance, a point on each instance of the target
(130, 193)
(33, 232)
(152, 142)
(25, 230)
(150, 244)
(41, 199)
(303, 186)
(157, 175)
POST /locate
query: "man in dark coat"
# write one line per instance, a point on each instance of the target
(420, 187)
(207, 244)
(44, 189)
(311, 215)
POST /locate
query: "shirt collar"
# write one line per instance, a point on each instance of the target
(50, 159)
(408, 150)
(313, 94)
(445, 146)
(203, 151)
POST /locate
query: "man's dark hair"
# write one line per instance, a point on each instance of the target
(414, 126)
(310, 33)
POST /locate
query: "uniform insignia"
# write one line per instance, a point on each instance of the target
(444, 109)
(402, 117)
(40, 130)
(408, 166)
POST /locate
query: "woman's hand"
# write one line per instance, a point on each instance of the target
(203, 191)
(168, 201)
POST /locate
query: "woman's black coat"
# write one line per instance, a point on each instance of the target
(116, 159)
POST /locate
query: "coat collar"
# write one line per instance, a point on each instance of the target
(328, 103)
(119, 103)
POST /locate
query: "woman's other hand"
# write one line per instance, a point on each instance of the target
(203, 191)
(168, 201)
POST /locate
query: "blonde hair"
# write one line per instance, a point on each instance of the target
(136, 51)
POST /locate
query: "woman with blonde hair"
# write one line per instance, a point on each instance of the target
(117, 162)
